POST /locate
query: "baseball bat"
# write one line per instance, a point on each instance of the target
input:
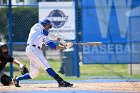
(89, 44)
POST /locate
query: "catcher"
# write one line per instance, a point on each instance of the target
(4, 59)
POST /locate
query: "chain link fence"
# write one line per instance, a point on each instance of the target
(23, 18)
(3, 23)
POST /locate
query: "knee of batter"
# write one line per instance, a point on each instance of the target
(34, 74)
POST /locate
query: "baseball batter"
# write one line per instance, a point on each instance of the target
(39, 34)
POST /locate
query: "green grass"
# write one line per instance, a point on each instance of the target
(103, 70)
(86, 70)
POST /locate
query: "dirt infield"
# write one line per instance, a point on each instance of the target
(112, 86)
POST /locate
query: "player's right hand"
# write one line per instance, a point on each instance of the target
(66, 45)
(60, 47)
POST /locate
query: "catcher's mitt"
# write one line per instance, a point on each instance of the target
(24, 70)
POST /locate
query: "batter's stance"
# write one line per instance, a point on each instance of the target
(39, 34)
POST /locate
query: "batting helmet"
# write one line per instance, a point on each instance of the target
(46, 21)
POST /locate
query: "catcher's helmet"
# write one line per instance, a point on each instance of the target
(3, 45)
(46, 21)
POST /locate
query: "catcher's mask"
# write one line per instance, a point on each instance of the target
(46, 22)
(4, 46)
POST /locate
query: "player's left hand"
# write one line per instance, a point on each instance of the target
(67, 45)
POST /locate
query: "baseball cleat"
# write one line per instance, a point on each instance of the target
(65, 84)
(15, 82)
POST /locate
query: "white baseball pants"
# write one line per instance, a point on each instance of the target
(37, 60)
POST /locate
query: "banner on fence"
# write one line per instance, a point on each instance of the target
(62, 16)
(111, 22)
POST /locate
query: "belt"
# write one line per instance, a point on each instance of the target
(35, 46)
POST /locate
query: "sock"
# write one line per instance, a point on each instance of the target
(58, 79)
(25, 76)
(51, 72)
